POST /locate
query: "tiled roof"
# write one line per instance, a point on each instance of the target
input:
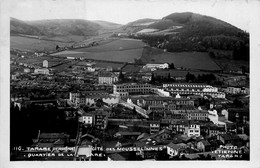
(205, 142)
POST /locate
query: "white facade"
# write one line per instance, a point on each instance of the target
(90, 69)
(45, 64)
(87, 119)
(44, 71)
(107, 80)
(192, 130)
(161, 92)
(171, 151)
(27, 70)
(159, 66)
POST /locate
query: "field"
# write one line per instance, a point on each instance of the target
(232, 65)
(109, 64)
(33, 44)
(187, 60)
(117, 50)
(131, 68)
(115, 45)
(122, 50)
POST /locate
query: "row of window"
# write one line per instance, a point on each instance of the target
(185, 85)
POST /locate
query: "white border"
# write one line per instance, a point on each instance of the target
(254, 14)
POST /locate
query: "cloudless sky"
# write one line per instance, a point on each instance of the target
(124, 11)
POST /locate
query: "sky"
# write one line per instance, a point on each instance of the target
(125, 11)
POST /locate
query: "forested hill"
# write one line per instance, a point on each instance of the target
(197, 32)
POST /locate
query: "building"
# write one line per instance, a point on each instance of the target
(228, 139)
(107, 78)
(45, 64)
(204, 146)
(193, 88)
(173, 149)
(147, 77)
(154, 127)
(108, 99)
(101, 119)
(131, 88)
(215, 131)
(26, 70)
(178, 126)
(169, 103)
(88, 119)
(43, 71)
(192, 130)
(155, 66)
(160, 92)
(197, 115)
(82, 98)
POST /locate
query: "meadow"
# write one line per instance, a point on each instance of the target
(117, 50)
(114, 45)
(33, 44)
(187, 60)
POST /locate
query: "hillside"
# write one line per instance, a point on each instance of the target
(59, 27)
(21, 27)
(194, 32)
(137, 25)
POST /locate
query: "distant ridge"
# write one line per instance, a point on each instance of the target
(59, 27)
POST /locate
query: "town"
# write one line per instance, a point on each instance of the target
(70, 108)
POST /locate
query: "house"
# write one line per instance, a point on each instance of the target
(154, 127)
(26, 70)
(204, 146)
(229, 139)
(233, 90)
(178, 126)
(173, 149)
(107, 78)
(147, 77)
(43, 71)
(45, 64)
(192, 130)
(101, 119)
(62, 102)
(88, 119)
(215, 130)
(155, 66)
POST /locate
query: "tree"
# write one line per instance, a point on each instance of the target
(169, 77)
(57, 47)
(171, 66)
(121, 76)
(238, 103)
(190, 77)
